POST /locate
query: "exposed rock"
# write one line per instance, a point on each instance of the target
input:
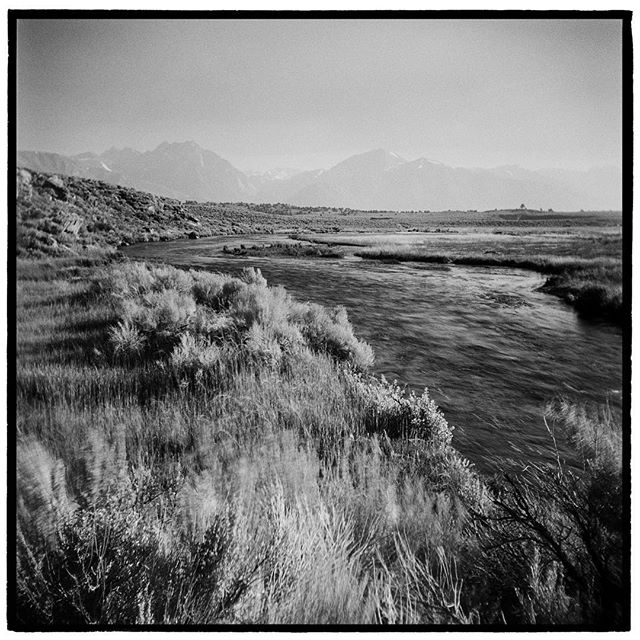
(55, 181)
(55, 184)
(71, 223)
(24, 188)
(506, 299)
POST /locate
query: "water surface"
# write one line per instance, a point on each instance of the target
(490, 348)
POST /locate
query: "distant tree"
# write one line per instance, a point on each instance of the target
(522, 206)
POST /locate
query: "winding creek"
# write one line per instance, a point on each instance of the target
(490, 348)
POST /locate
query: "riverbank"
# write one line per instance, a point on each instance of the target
(206, 449)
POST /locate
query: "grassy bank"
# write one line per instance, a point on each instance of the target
(286, 249)
(593, 284)
(194, 448)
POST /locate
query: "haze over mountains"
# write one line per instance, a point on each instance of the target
(377, 179)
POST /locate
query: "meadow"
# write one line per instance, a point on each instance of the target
(196, 448)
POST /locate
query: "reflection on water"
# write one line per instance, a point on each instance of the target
(491, 350)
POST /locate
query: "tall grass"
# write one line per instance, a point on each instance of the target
(212, 451)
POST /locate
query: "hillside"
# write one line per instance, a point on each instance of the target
(57, 215)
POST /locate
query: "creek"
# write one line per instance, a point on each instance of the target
(490, 348)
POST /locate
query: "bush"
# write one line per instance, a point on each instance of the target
(389, 409)
(195, 354)
(212, 325)
(555, 535)
(129, 280)
(262, 347)
(127, 341)
(253, 276)
(158, 307)
(329, 331)
(257, 304)
(212, 289)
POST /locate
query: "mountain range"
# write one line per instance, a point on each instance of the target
(376, 179)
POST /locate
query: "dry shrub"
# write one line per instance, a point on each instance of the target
(195, 354)
(158, 306)
(129, 279)
(262, 347)
(258, 304)
(421, 590)
(166, 310)
(212, 289)
(554, 539)
(127, 340)
(388, 408)
(329, 331)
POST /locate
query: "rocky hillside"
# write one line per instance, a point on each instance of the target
(58, 214)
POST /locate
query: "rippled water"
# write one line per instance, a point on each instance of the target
(491, 350)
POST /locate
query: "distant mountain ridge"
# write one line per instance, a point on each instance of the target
(376, 179)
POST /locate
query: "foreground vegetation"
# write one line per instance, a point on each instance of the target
(194, 448)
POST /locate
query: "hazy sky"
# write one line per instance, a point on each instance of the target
(309, 93)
